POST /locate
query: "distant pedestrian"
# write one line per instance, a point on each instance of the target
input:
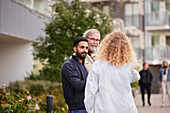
(108, 87)
(164, 81)
(145, 82)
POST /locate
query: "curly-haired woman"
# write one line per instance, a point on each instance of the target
(108, 87)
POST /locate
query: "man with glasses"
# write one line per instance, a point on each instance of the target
(93, 36)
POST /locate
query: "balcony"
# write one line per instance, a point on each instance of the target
(155, 55)
(21, 22)
(157, 21)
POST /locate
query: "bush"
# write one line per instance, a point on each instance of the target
(135, 84)
(18, 102)
(36, 89)
(40, 89)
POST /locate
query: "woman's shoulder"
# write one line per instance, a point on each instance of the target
(98, 64)
(128, 65)
(104, 63)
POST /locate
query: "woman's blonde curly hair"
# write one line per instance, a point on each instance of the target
(116, 49)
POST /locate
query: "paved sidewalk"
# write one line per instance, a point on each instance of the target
(156, 104)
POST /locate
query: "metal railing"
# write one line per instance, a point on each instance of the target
(157, 19)
(132, 21)
(157, 53)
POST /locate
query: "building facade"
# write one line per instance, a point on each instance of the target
(157, 26)
(157, 36)
(147, 24)
(19, 26)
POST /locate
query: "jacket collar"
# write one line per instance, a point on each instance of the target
(76, 59)
(89, 58)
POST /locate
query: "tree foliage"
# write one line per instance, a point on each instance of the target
(69, 21)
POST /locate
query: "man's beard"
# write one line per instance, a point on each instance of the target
(80, 55)
(92, 49)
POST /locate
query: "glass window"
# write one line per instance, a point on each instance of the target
(132, 15)
(168, 40)
(106, 9)
(167, 6)
(135, 42)
(155, 40)
(128, 9)
(25, 2)
(128, 21)
(154, 6)
(136, 45)
(38, 5)
(135, 9)
(136, 20)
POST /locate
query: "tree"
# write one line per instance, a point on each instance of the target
(69, 21)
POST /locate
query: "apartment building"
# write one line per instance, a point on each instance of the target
(19, 26)
(157, 36)
(157, 26)
(147, 24)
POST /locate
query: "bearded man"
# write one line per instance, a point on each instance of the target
(74, 76)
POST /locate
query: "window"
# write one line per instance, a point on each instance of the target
(132, 15)
(167, 6)
(134, 41)
(25, 2)
(155, 40)
(106, 9)
(168, 40)
(136, 45)
(154, 6)
(39, 5)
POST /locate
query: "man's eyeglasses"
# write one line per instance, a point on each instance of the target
(93, 39)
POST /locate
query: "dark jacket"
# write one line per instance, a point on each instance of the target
(73, 83)
(146, 77)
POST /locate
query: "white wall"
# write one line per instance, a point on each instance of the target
(15, 61)
(19, 25)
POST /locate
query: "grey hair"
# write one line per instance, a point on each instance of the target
(90, 32)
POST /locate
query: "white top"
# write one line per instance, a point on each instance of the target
(164, 77)
(108, 88)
